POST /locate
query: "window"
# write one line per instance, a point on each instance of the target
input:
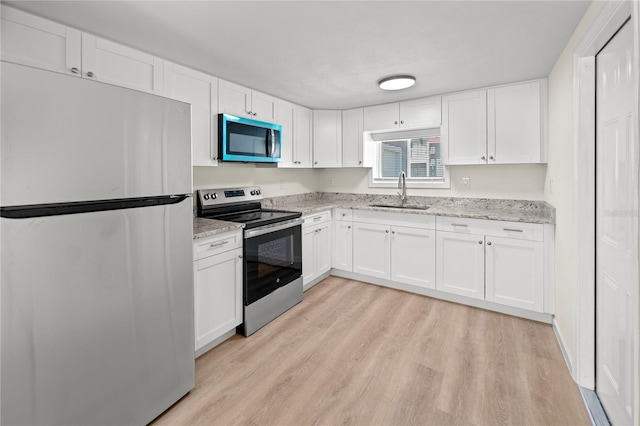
(416, 154)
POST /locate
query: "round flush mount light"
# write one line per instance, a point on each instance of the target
(397, 82)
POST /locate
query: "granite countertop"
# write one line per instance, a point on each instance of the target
(474, 208)
(206, 227)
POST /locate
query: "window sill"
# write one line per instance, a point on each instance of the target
(379, 183)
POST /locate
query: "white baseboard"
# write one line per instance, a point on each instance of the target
(563, 347)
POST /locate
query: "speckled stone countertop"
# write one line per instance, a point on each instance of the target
(474, 208)
(206, 227)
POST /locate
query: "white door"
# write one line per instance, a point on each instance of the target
(113, 63)
(327, 138)
(464, 127)
(234, 99)
(352, 128)
(616, 229)
(381, 117)
(514, 272)
(413, 256)
(302, 142)
(309, 268)
(285, 117)
(343, 246)
(201, 91)
(323, 248)
(263, 106)
(421, 112)
(460, 264)
(371, 250)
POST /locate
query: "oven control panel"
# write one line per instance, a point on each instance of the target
(219, 196)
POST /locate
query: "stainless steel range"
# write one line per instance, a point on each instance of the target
(272, 252)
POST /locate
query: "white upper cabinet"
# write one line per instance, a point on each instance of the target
(201, 91)
(327, 138)
(352, 143)
(113, 63)
(416, 113)
(464, 127)
(33, 41)
(302, 137)
(499, 125)
(285, 117)
(242, 101)
(516, 128)
(37, 42)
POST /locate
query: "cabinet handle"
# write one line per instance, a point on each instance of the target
(349, 227)
(239, 256)
(317, 218)
(386, 232)
(512, 230)
(491, 157)
(75, 70)
(395, 122)
(488, 243)
(393, 232)
(483, 158)
(479, 242)
(89, 74)
(359, 162)
(249, 112)
(255, 113)
(315, 162)
(464, 225)
(344, 214)
(401, 122)
(219, 244)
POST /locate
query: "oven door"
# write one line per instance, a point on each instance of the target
(273, 258)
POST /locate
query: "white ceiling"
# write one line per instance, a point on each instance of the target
(330, 54)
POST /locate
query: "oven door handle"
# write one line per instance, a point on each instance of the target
(257, 232)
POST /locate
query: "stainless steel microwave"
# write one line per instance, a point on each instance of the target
(250, 141)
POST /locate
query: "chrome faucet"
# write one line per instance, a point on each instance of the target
(402, 183)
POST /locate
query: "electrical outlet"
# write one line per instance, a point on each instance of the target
(281, 183)
(465, 183)
(330, 181)
(550, 186)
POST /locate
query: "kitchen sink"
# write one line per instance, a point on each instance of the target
(398, 206)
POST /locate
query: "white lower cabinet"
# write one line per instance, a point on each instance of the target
(460, 267)
(316, 247)
(514, 272)
(413, 256)
(343, 245)
(371, 250)
(217, 272)
(500, 262)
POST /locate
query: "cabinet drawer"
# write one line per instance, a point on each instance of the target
(497, 228)
(343, 214)
(216, 244)
(316, 218)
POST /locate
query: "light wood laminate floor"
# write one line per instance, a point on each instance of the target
(356, 353)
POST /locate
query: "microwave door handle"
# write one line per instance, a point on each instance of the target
(272, 142)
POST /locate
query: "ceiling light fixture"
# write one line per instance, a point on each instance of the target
(397, 82)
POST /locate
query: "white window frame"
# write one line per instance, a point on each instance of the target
(376, 181)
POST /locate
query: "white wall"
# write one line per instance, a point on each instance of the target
(559, 184)
(521, 182)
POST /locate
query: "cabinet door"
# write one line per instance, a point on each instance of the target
(371, 250)
(37, 42)
(302, 142)
(323, 248)
(263, 107)
(413, 256)
(285, 117)
(464, 127)
(234, 99)
(218, 295)
(514, 271)
(460, 264)
(327, 138)
(514, 124)
(343, 246)
(201, 91)
(381, 117)
(113, 63)
(423, 112)
(352, 143)
(309, 268)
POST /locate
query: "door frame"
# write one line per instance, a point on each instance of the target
(612, 15)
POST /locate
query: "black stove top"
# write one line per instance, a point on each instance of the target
(253, 219)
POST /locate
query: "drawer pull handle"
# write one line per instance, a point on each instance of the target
(512, 230)
(317, 218)
(219, 244)
(489, 243)
(464, 225)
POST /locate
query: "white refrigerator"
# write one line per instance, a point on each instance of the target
(95, 236)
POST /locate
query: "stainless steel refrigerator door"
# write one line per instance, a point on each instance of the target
(67, 139)
(97, 316)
